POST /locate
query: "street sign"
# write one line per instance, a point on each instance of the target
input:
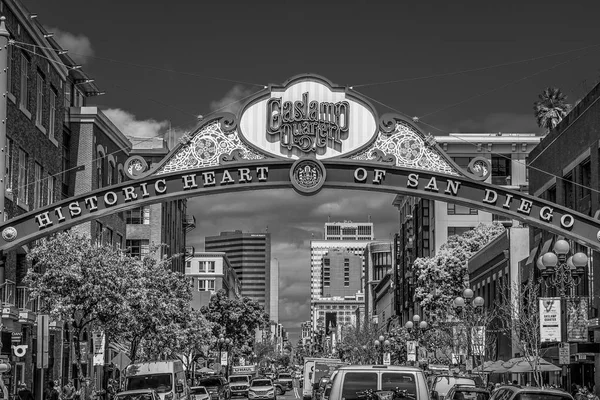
(121, 360)
(387, 358)
(564, 353)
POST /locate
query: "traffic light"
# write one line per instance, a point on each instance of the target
(4, 368)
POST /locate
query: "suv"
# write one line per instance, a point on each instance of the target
(238, 385)
(467, 392)
(217, 387)
(351, 382)
(442, 384)
(529, 393)
(285, 380)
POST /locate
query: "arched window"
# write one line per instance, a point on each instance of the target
(101, 159)
(110, 176)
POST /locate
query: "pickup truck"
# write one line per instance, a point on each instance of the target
(285, 380)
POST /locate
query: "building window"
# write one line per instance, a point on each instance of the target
(457, 209)
(24, 100)
(210, 284)
(138, 216)
(99, 169)
(9, 162)
(23, 179)
(39, 106)
(37, 186)
(501, 169)
(205, 285)
(138, 247)
(206, 266)
(109, 236)
(111, 172)
(119, 241)
(50, 189)
(201, 285)
(458, 230)
(52, 114)
(99, 232)
(188, 264)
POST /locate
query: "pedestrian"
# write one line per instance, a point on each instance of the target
(68, 392)
(24, 393)
(87, 392)
(51, 392)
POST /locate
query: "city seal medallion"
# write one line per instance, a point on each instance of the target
(9, 234)
(308, 176)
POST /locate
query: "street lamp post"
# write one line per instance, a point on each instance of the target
(466, 307)
(561, 272)
(381, 345)
(564, 273)
(224, 343)
(417, 327)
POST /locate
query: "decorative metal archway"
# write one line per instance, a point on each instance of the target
(283, 139)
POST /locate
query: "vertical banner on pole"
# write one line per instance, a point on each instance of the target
(42, 341)
(577, 319)
(411, 350)
(223, 358)
(550, 319)
(98, 341)
(478, 340)
(387, 358)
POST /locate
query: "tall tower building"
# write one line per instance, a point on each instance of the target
(250, 257)
(274, 291)
(339, 237)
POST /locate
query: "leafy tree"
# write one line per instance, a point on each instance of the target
(551, 108)
(520, 317)
(236, 319)
(191, 338)
(80, 283)
(357, 345)
(439, 279)
(160, 313)
(264, 352)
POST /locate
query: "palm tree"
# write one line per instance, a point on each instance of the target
(551, 108)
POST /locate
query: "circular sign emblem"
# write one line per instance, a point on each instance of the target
(307, 176)
(598, 236)
(9, 234)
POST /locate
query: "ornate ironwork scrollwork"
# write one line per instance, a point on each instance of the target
(228, 123)
(479, 169)
(136, 167)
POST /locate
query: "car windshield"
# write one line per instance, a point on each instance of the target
(198, 390)
(356, 382)
(160, 382)
(261, 382)
(134, 396)
(238, 379)
(210, 382)
(470, 395)
(285, 376)
(541, 396)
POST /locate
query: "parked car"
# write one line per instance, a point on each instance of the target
(217, 387)
(468, 392)
(262, 389)
(199, 393)
(141, 394)
(238, 385)
(351, 382)
(529, 393)
(285, 380)
(443, 383)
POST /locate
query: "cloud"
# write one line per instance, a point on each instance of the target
(79, 46)
(131, 127)
(499, 122)
(232, 101)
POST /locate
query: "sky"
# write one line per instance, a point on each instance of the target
(471, 66)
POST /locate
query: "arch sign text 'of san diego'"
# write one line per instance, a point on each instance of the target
(307, 135)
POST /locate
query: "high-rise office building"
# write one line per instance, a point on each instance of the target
(349, 230)
(337, 279)
(250, 257)
(274, 291)
(335, 241)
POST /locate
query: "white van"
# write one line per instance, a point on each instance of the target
(167, 378)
